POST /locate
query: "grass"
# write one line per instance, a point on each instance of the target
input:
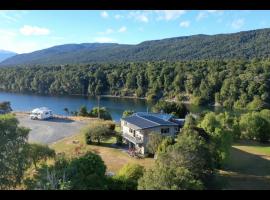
(113, 157)
(248, 167)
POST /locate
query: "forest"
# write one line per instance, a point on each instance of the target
(242, 45)
(231, 83)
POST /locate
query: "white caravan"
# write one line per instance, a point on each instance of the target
(41, 113)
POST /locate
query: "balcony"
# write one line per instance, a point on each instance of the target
(132, 139)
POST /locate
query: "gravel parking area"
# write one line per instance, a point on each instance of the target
(50, 131)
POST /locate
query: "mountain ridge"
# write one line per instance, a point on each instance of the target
(4, 54)
(241, 45)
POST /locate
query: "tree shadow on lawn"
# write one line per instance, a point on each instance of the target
(251, 143)
(247, 163)
(110, 145)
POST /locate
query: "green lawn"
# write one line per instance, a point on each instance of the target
(248, 167)
(113, 157)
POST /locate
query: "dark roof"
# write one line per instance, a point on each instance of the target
(147, 121)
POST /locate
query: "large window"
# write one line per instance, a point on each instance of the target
(165, 130)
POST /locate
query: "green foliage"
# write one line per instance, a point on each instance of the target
(127, 113)
(87, 172)
(167, 141)
(221, 129)
(104, 113)
(177, 109)
(127, 177)
(83, 173)
(232, 83)
(154, 140)
(256, 105)
(98, 132)
(5, 107)
(241, 45)
(83, 112)
(254, 126)
(38, 152)
(119, 139)
(185, 165)
(13, 157)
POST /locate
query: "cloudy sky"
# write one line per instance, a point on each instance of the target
(26, 31)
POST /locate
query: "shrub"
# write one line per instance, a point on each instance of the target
(127, 177)
(96, 132)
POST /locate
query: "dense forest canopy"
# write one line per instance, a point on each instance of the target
(243, 45)
(231, 83)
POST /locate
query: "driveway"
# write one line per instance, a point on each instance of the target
(50, 131)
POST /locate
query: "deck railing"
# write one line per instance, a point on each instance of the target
(132, 139)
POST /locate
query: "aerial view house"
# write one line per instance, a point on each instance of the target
(136, 128)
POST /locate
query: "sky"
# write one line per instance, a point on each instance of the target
(27, 31)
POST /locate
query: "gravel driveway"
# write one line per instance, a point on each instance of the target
(49, 131)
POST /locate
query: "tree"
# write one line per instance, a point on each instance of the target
(221, 130)
(50, 177)
(256, 105)
(5, 106)
(127, 177)
(83, 111)
(96, 132)
(84, 173)
(127, 113)
(13, 156)
(153, 143)
(177, 109)
(167, 178)
(166, 142)
(39, 152)
(185, 165)
(66, 110)
(104, 113)
(87, 172)
(253, 126)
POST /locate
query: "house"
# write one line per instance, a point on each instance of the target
(41, 113)
(136, 128)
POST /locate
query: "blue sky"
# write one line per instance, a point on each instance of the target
(26, 31)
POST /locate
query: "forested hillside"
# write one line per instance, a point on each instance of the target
(244, 45)
(234, 83)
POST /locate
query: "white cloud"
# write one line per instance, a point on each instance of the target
(122, 29)
(185, 24)
(201, 15)
(10, 42)
(139, 16)
(104, 14)
(238, 23)
(205, 14)
(170, 14)
(219, 12)
(107, 32)
(104, 40)
(118, 16)
(34, 30)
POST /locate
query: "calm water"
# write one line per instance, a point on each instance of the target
(116, 106)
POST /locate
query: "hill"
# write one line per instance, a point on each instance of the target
(241, 45)
(5, 54)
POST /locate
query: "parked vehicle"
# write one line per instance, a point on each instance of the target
(41, 113)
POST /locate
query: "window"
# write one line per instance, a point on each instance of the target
(165, 130)
(130, 130)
